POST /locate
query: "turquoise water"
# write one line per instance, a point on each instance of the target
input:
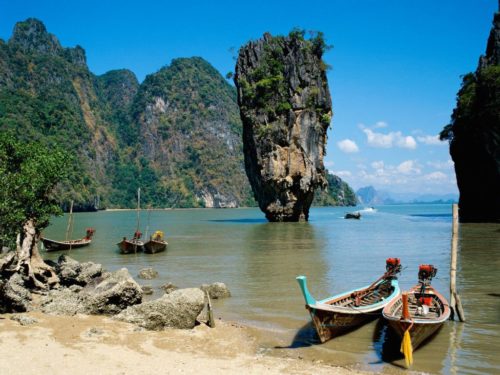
(259, 262)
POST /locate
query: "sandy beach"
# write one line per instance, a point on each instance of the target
(99, 345)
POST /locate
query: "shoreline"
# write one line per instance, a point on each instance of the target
(83, 344)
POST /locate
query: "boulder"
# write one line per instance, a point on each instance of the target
(147, 289)
(115, 293)
(65, 302)
(109, 296)
(147, 274)
(14, 296)
(72, 272)
(169, 288)
(216, 290)
(178, 309)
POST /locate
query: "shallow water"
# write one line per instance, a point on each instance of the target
(259, 262)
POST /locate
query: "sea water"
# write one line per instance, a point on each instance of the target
(259, 262)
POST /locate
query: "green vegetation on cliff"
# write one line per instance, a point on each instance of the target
(338, 193)
(474, 135)
(177, 135)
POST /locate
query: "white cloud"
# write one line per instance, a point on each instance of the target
(436, 176)
(348, 146)
(431, 140)
(377, 164)
(408, 167)
(342, 174)
(389, 140)
(442, 165)
(380, 124)
(328, 163)
(406, 142)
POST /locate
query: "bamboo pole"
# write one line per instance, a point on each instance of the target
(211, 320)
(455, 302)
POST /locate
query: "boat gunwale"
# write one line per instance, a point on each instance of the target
(427, 321)
(322, 305)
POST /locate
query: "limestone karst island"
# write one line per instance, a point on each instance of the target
(262, 188)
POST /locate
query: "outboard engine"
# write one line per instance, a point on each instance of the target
(425, 274)
(393, 265)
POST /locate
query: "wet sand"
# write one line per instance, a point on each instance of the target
(99, 345)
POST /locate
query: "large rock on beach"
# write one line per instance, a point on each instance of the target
(65, 301)
(14, 296)
(216, 290)
(178, 309)
(106, 296)
(71, 272)
(115, 293)
(286, 109)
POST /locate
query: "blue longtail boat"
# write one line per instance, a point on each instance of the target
(337, 314)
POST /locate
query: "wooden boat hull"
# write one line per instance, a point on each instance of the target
(330, 324)
(153, 247)
(51, 245)
(130, 246)
(330, 320)
(422, 326)
(419, 333)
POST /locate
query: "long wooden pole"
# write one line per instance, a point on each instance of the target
(455, 302)
(70, 217)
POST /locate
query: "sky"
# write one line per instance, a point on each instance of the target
(396, 65)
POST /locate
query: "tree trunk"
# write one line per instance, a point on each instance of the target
(37, 274)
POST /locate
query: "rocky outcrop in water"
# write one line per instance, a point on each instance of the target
(474, 135)
(286, 108)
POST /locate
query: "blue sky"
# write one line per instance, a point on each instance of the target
(396, 65)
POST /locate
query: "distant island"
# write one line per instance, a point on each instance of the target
(369, 196)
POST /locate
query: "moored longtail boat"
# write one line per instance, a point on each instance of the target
(52, 245)
(133, 245)
(156, 244)
(345, 311)
(417, 314)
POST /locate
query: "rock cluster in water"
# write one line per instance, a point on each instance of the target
(474, 135)
(286, 108)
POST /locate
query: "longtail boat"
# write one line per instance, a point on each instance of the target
(52, 245)
(418, 313)
(353, 215)
(345, 311)
(135, 244)
(156, 243)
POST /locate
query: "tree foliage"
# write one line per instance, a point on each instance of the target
(29, 172)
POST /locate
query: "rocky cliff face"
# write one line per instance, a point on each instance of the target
(338, 193)
(474, 135)
(190, 131)
(285, 107)
(48, 93)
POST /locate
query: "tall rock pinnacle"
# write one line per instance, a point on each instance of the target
(474, 134)
(286, 108)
